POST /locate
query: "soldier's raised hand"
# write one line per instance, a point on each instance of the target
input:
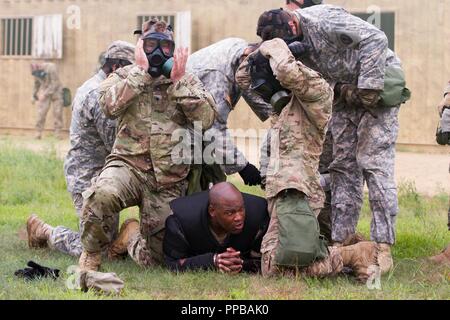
(140, 56)
(179, 64)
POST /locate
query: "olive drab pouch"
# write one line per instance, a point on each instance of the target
(395, 91)
(202, 175)
(300, 243)
(67, 97)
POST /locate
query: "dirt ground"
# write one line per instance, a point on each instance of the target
(429, 172)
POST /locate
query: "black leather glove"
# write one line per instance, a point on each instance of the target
(298, 48)
(341, 90)
(337, 90)
(36, 271)
(251, 175)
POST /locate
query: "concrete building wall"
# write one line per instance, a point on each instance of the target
(103, 21)
(421, 41)
(422, 33)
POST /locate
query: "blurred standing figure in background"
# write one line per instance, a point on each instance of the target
(47, 90)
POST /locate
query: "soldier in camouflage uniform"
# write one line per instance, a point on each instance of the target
(352, 55)
(327, 155)
(297, 137)
(141, 170)
(216, 66)
(47, 91)
(444, 257)
(92, 136)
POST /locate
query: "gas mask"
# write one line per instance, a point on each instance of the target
(39, 74)
(159, 49)
(264, 83)
(443, 132)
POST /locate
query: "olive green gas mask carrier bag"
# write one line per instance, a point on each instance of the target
(300, 243)
(395, 91)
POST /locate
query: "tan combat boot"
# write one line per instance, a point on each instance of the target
(361, 257)
(353, 239)
(90, 261)
(38, 135)
(38, 232)
(443, 258)
(385, 260)
(129, 229)
(59, 135)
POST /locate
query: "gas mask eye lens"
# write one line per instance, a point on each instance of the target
(167, 47)
(150, 45)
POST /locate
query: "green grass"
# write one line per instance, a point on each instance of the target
(31, 182)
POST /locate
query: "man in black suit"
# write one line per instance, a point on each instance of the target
(219, 229)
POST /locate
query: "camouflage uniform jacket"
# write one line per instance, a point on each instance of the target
(50, 84)
(298, 133)
(216, 66)
(87, 87)
(345, 48)
(92, 136)
(148, 112)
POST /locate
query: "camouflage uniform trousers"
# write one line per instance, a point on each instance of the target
(44, 105)
(324, 218)
(66, 240)
(364, 150)
(326, 158)
(121, 186)
(329, 266)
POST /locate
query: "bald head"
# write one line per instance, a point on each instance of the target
(224, 192)
(226, 209)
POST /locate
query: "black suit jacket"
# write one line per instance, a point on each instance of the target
(189, 237)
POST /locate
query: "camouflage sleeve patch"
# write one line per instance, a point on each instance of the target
(106, 128)
(373, 53)
(197, 103)
(121, 88)
(243, 78)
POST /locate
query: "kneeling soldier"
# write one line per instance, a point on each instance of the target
(293, 188)
(141, 170)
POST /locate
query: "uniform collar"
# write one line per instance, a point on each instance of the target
(101, 74)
